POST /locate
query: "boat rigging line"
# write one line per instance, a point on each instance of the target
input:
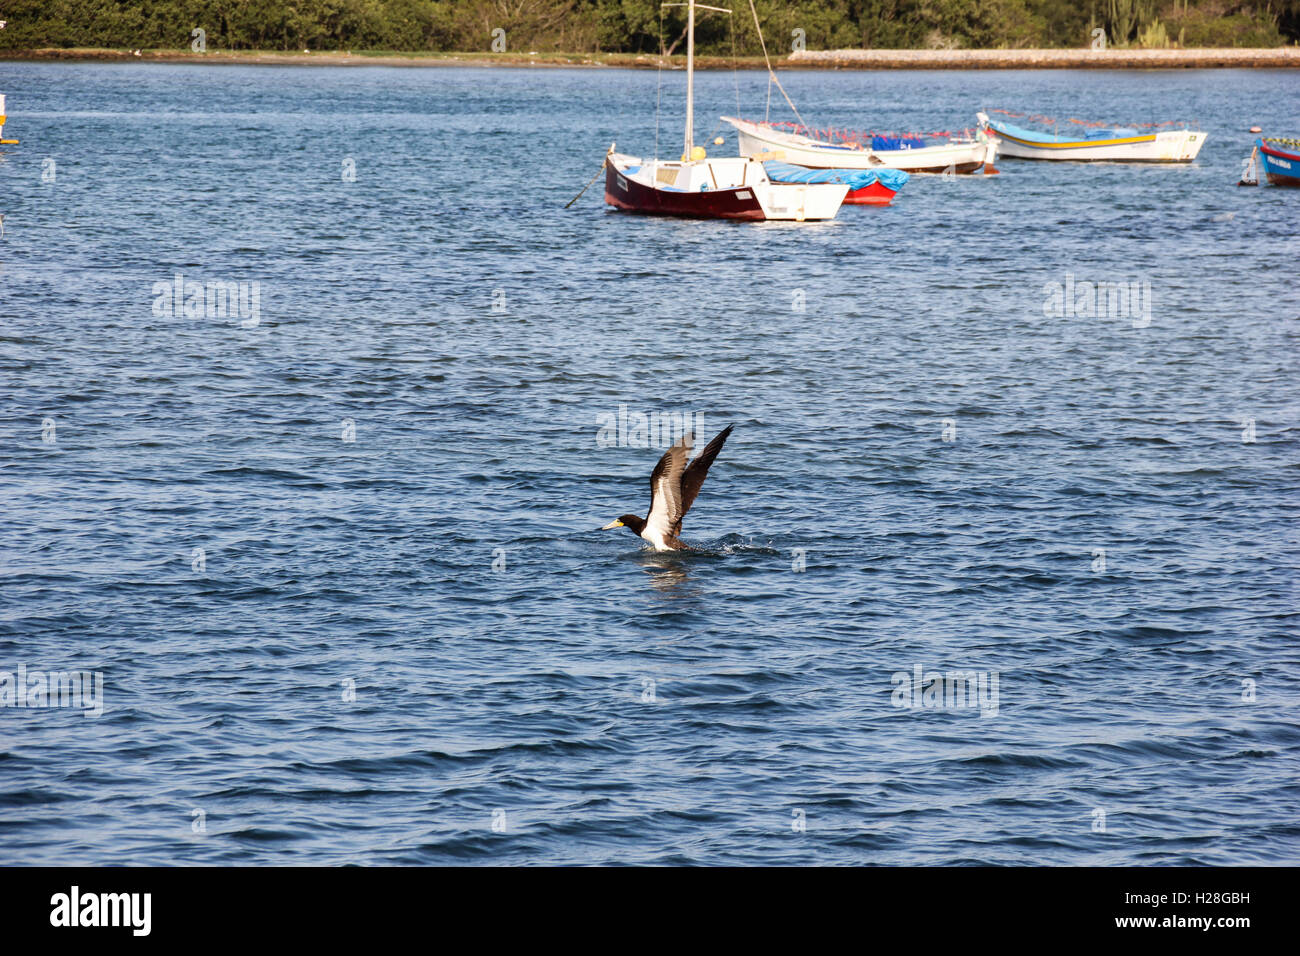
(771, 74)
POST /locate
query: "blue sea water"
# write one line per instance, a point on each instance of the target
(337, 565)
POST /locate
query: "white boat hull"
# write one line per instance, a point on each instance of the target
(799, 202)
(960, 156)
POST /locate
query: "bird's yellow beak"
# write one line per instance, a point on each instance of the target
(612, 524)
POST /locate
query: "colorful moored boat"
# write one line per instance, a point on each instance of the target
(1095, 143)
(1281, 160)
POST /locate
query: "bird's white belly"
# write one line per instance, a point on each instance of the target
(656, 538)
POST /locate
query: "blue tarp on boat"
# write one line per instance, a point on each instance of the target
(855, 178)
(884, 144)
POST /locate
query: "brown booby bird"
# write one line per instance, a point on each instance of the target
(673, 487)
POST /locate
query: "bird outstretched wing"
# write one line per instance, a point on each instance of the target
(694, 474)
(666, 507)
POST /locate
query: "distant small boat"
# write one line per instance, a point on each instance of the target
(867, 187)
(1281, 160)
(860, 150)
(3, 117)
(1113, 144)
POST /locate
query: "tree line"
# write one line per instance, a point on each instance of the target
(639, 26)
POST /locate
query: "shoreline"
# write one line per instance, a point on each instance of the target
(1050, 59)
(1204, 58)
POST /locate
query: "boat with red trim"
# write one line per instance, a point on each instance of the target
(1281, 160)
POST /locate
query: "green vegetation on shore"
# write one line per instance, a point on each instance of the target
(639, 26)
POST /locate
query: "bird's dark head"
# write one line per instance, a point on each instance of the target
(631, 522)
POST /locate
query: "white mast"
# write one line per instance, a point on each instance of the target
(690, 77)
(690, 6)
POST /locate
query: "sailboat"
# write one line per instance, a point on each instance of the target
(699, 187)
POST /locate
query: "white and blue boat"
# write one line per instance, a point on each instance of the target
(1117, 144)
(1280, 159)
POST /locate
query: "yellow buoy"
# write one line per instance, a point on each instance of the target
(697, 152)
